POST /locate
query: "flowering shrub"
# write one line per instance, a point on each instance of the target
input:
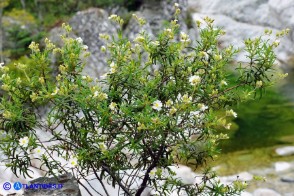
(155, 108)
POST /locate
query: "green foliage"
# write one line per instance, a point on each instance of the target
(20, 38)
(156, 107)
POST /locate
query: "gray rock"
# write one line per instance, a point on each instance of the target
(88, 25)
(289, 178)
(265, 192)
(157, 13)
(69, 186)
(249, 18)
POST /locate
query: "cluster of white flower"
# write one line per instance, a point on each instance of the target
(112, 106)
(112, 17)
(113, 68)
(80, 41)
(202, 107)
(169, 33)
(55, 92)
(259, 84)
(139, 39)
(100, 95)
(231, 113)
(218, 57)
(223, 83)
(204, 55)
(184, 38)
(228, 126)
(160, 172)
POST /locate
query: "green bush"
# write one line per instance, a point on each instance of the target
(139, 118)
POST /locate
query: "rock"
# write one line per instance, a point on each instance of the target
(88, 25)
(243, 176)
(289, 194)
(265, 192)
(285, 151)
(69, 186)
(156, 14)
(282, 166)
(249, 18)
(246, 194)
(288, 178)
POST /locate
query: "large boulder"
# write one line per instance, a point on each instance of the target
(88, 24)
(249, 18)
(66, 185)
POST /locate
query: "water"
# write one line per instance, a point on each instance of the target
(265, 122)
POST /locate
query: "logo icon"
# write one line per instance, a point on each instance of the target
(17, 186)
(7, 186)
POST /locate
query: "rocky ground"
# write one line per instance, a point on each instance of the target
(279, 178)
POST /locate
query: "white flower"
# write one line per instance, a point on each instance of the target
(96, 93)
(113, 67)
(194, 80)
(104, 96)
(231, 113)
(195, 113)
(155, 43)
(102, 146)
(228, 126)
(103, 48)
(24, 141)
(112, 106)
(79, 40)
(39, 151)
(202, 107)
(276, 43)
(1, 65)
(112, 70)
(218, 57)
(55, 91)
(112, 17)
(223, 83)
(85, 47)
(73, 162)
(157, 105)
(112, 64)
(168, 30)
(259, 84)
(204, 54)
(152, 173)
(184, 37)
(176, 5)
